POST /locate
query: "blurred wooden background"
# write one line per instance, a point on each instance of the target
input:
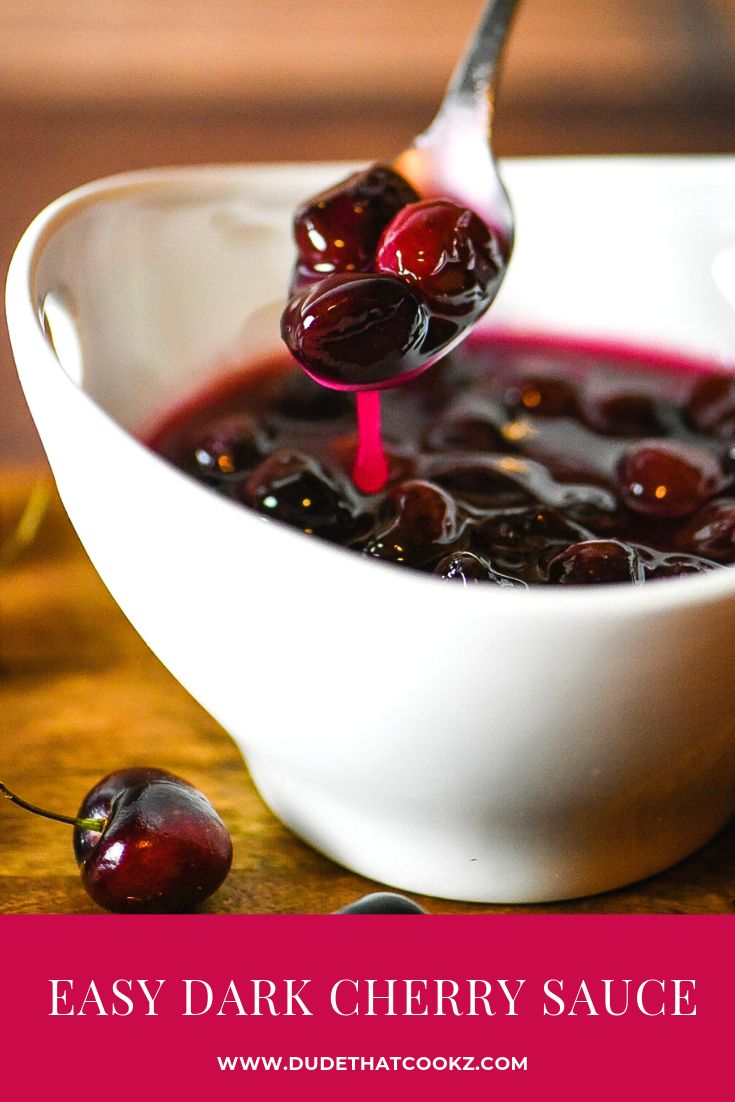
(92, 87)
(89, 88)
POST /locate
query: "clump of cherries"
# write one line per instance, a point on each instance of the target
(384, 284)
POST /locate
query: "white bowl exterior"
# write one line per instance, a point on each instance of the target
(483, 744)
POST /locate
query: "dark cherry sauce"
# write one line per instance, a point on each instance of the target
(513, 462)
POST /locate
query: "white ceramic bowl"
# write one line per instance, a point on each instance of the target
(482, 744)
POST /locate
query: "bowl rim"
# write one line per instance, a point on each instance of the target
(26, 330)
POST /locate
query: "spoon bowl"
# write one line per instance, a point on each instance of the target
(369, 312)
(453, 157)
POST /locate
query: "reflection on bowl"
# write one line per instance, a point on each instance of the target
(483, 744)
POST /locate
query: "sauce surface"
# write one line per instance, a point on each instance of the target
(514, 462)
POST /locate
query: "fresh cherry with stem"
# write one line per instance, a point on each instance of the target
(146, 841)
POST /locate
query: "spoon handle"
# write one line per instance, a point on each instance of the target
(473, 76)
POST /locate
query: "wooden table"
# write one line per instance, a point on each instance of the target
(80, 695)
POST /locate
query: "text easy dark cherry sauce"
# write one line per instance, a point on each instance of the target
(513, 462)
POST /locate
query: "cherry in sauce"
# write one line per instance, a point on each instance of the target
(511, 464)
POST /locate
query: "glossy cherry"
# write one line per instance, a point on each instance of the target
(338, 230)
(147, 841)
(383, 903)
(711, 531)
(227, 448)
(447, 252)
(596, 562)
(667, 479)
(357, 332)
(421, 523)
(298, 490)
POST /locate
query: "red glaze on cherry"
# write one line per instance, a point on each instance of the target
(667, 479)
(443, 262)
(338, 230)
(164, 848)
(447, 252)
(357, 332)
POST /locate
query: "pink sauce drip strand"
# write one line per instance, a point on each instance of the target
(370, 470)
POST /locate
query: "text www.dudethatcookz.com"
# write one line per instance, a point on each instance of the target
(372, 1063)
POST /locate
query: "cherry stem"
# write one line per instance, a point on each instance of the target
(370, 470)
(83, 824)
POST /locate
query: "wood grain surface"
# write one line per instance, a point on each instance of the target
(87, 90)
(80, 695)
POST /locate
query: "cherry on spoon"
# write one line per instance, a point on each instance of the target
(397, 263)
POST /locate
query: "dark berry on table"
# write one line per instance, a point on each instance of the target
(164, 848)
(664, 478)
(383, 903)
(298, 490)
(146, 841)
(357, 332)
(596, 562)
(711, 406)
(710, 533)
(338, 230)
(420, 523)
(446, 251)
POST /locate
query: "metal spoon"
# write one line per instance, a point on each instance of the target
(454, 156)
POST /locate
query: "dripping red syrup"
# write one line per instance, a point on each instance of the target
(370, 469)
(517, 460)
